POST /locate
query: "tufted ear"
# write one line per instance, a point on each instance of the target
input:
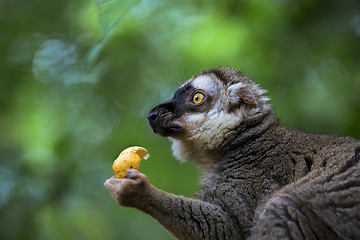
(239, 93)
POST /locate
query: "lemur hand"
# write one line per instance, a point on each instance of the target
(130, 191)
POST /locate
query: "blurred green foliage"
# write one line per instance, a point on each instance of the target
(78, 78)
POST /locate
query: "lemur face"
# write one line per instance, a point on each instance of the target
(196, 97)
(207, 107)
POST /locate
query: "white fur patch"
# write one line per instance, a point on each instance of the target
(206, 83)
(231, 91)
(195, 119)
(207, 132)
(210, 128)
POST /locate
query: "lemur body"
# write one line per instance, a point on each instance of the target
(261, 179)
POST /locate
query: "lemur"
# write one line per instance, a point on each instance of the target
(261, 180)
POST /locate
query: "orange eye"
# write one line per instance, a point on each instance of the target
(198, 98)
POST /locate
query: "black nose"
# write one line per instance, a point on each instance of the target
(152, 116)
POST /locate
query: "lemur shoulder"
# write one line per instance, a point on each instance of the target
(261, 180)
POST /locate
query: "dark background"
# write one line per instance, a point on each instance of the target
(77, 79)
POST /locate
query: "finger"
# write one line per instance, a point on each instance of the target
(133, 174)
(137, 176)
(114, 180)
(109, 185)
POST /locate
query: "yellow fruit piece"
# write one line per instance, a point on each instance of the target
(129, 159)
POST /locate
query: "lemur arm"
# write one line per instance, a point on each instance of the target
(184, 218)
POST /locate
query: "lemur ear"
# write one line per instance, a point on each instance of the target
(239, 93)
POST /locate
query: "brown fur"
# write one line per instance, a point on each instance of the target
(263, 181)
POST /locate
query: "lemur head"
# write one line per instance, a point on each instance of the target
(206, 110)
